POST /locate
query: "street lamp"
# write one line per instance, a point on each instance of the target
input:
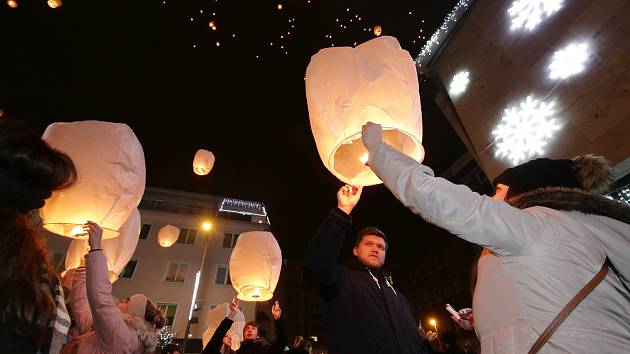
(433, 323)
(205, 226)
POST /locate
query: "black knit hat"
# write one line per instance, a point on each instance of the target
(590, 173)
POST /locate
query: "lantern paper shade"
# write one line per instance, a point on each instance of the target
(111, 177)
(168, 235)
(203, 162)
(213, 320)
(347, 87)
(118, 250)
(255, 266)
(377, 30)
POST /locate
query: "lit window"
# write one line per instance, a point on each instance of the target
(176, 272)
(169, 311)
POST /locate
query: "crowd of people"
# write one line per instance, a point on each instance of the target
(546, 234)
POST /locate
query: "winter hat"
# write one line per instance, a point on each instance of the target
(137, 305)
(590, 173)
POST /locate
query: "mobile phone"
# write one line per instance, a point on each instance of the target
(450, 309)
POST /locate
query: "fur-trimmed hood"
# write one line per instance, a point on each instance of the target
(146, 333)
(573, 199)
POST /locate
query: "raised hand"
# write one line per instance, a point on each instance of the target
(372, 135)
(234, 305)
(347, 197)
(276, 311)
(95, 234)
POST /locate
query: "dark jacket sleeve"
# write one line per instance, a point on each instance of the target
(214, 345)
(281, 337)
(320, 261)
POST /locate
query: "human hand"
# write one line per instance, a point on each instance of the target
(372, 135)
(234, 304)
(466, 321)
(347, 197)
(95, 234)
(276, 311)
(431, 336)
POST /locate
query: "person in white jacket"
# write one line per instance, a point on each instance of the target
(542, 246)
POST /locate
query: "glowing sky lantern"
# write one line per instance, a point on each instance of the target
(347, 87)
(203, 162)
(213, 320)
(118, 250)
(377, 30)
(255, 266)
(111, 177)
(168, 235)
(54, 3)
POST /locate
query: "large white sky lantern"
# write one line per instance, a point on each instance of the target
(213, 320)
(347, 87)
(203, 162)
(459, 83)
(168, 235)
(118, 250)
(569, 61)
(524, 130)
(528, 14)
(111, 177)
(255, 266)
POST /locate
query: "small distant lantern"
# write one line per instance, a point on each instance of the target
(255, 266)
(111, 177)
(118, 250)
(203, 162)
(346, 87)
(12, 4)
(168, 235)
(213, 320)
(54, 3)
(377, 30)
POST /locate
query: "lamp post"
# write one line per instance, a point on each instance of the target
(206, 226)
(434, 324)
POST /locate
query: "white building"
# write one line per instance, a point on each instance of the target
(167, 275)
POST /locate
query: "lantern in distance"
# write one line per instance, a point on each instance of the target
(346, 87)
(213, 320)
(377, 30)
(203, 162)
(53, 4)
(168, 235)
(111, 177)
(255, 266)
(118, 250)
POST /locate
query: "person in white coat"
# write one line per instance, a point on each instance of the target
(542, 245)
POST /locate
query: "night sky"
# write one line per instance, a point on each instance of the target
(147, 64)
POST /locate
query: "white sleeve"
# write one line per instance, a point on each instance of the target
(475, 218)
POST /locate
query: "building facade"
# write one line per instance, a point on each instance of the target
(167, 275)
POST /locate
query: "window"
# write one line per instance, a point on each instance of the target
(229, 239)
(176, 272)
(223, 275)
(130, 268)
(187, 236)
(169, 311)
(59, 261)
(144, 231)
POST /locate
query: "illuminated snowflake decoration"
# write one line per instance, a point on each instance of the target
(165, 337)
(525, 129)
(569, 61)
(529, 13)
(459, 83)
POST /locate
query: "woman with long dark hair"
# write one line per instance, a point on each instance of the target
(34, 317)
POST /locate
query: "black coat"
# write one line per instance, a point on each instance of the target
(247, 347)
(361, 317)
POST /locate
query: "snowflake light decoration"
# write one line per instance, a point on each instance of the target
(569, 60)
(459, 83)
(529, 13)
(525, 129)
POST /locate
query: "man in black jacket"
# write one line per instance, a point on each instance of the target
(364, 314)
(251, 343)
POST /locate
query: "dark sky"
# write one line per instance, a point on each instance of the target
(145, 63)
